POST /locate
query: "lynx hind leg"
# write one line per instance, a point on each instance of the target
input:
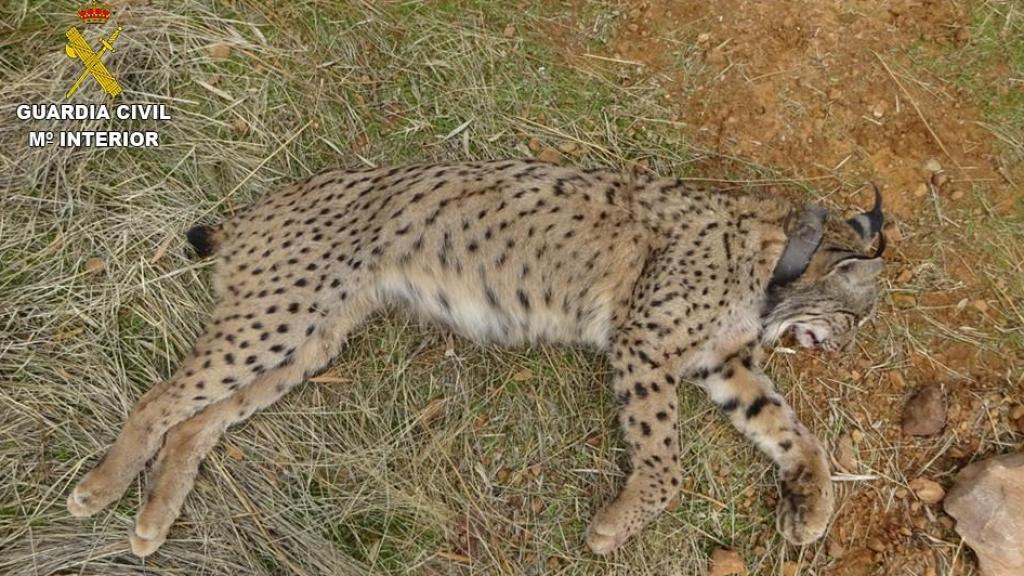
(188, 443)
(250, 333)
(646, 393)
(746, 395)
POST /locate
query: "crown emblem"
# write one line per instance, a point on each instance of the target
(94, 14)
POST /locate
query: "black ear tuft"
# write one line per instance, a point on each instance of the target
(869, 224)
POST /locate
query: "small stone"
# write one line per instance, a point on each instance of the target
(503, 475)
(240, 125)
(857, 436)
(219, 51)
(927, 491)
(980, 305)
(726, 562)
(932, 166)
(921, 190)
(704, 38)
(987, 501)
(567, 147)
(549, 155)
(536, 504)
(535, 145)
(95, 265)
(905, 276)
(844, 454)
(554, 563)
(790, 568)
(876, 545)
(957, 194)
(509, 31)
(925, 412)
(939, 179)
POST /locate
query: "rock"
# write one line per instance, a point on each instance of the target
(927, 491)
(925, 412)
(725, 562)
(567, 147)
(932, 166)
(790, 568)
(987, 502)
(844, 454)
(549, 155)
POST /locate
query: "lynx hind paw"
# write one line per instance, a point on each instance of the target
(91, 495)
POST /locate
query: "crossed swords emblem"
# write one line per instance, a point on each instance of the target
(77, 47)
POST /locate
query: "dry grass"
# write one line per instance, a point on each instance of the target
(415, 453)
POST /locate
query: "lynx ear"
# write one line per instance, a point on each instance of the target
(803, 242)
(869, 224)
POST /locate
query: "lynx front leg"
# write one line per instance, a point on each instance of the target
(647, 397)
(743, 392)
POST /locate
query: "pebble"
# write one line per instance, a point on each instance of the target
(928, 491)
(932, 166)
(844, 453)
(925, 412)
(726, 562)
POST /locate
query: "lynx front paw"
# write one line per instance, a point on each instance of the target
(607, 531)
(624, 517)
(807, 501)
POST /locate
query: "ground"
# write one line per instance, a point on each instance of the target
(418, 452)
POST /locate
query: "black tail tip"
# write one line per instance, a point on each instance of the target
(203, 239)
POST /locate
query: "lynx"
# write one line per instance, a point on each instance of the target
(677, 283)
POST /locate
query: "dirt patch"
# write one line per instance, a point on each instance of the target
(815, 89)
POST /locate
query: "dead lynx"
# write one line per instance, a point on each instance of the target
(677, 283)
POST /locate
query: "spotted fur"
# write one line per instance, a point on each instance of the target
(670, 279)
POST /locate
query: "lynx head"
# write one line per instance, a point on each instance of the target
(826, 283)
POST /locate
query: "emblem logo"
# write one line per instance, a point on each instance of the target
(78, 47)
